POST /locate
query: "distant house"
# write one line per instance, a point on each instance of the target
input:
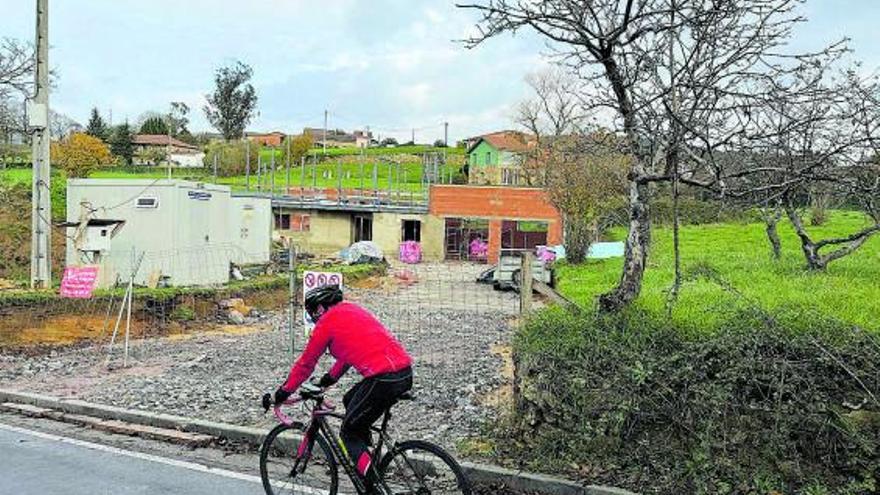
(362, 139)
(498, 158)
(339, 138)
(274, 139)
(180, 154)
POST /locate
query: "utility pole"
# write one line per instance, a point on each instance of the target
(168, 149)
(413, 140)
(446, 134)
(247, 164)
(325, 132)
(41, 209)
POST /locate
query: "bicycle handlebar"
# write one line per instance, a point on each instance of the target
(306, 392)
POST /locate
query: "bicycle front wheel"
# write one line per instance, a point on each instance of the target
(288, 469)
(416, 467)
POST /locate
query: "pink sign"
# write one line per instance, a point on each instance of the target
(79, 281)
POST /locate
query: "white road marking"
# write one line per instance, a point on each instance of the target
(148, 457)
(137, 455)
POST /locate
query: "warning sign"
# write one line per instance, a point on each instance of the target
(312, 280)
(78, 282)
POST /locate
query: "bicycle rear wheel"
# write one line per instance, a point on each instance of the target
(416, 467)
(285, 471)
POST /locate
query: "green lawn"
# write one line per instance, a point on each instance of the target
(849, 290)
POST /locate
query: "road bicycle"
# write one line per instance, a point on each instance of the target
(304, 458)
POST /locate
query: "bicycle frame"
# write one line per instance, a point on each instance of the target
(322, 410)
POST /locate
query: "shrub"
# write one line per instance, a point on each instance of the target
(80, 154)
(232, 157)
(784, 402)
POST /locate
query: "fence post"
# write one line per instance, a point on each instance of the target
(291, 266)
(525, 285)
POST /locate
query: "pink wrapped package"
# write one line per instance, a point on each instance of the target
(410, 252)
(545, 254)
(479, 248)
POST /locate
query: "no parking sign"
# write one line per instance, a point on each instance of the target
(312, 280)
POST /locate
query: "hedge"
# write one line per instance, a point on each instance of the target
(786, 402)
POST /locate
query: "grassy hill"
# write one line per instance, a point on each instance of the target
(739, 256)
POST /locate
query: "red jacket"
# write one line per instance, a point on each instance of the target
(355, 338)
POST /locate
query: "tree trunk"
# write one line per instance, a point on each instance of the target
(578, 237)
(809, 248)
(771, 221)
(636, 253)
(773, 237)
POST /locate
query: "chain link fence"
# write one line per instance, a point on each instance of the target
(212, 350)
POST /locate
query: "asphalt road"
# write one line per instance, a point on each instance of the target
(43, 464)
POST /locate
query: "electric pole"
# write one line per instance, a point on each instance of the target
(325, 132)
(446, 134)
(38, 112)
(413, 139)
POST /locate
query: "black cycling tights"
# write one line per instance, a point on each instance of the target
(364, 404)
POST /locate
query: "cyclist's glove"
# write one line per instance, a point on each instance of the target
(326, 381)
(267, 402)
(281, 395)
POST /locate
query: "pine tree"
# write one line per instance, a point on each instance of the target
(122, 144)
(154, 125)
(97, 128)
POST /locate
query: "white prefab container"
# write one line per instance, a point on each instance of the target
(251, 229)
(184, 229)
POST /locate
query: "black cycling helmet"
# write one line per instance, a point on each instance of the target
(324, 296)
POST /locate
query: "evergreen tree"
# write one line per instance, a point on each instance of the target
(233, 103)
(121, 143)
(97, 128)
(154, 125)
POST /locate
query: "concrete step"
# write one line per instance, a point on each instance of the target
(112, 426)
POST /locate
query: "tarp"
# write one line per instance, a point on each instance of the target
(361, 253)
(602, 250)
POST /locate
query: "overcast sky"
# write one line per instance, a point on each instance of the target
(389, 64)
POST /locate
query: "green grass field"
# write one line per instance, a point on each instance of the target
(408, 178)
(849, 290)
(411, 149)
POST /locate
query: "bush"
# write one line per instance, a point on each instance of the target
(80, 154)
(784, 402)
(232, 157)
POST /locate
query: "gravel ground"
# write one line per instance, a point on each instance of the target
(453, 327)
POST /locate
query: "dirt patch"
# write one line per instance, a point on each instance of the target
(502, 396)
(22, 330)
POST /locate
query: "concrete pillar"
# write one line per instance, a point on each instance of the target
(494, 241)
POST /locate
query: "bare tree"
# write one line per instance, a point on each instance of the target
(679, 75)
(812, 140)
(582, 170)
(16, 67)
(586, 181)
(61, 126)
(552, 111)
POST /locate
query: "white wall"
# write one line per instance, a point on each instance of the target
(251, 229)
(188, 160)
(187, 237)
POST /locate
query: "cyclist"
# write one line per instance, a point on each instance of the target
(356, 339)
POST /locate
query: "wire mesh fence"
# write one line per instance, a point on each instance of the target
(209, 339)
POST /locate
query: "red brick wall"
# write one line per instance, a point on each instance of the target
(496, 204)
(513, 203)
